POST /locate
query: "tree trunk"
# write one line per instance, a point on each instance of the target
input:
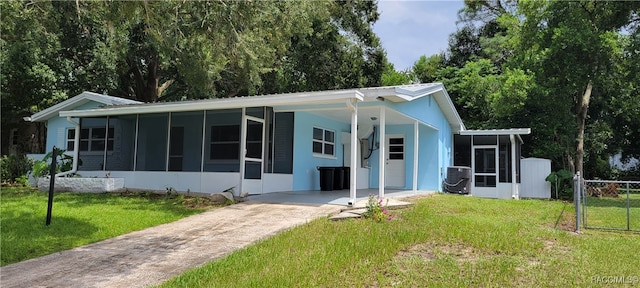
(581, 117)
(146, 84)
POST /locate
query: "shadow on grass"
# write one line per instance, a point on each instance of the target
(25, 235)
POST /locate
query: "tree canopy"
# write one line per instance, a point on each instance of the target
(567, 69)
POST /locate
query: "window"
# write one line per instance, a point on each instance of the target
(91, 139)
(225, 142)
(323, 142)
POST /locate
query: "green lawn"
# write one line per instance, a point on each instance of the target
(77, 219)
(441, 241)
(609, 212)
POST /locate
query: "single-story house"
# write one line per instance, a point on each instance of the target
(396, 137)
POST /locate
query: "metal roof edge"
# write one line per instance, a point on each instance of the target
(222, 103)
(75, 101)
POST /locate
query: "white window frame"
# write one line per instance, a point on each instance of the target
(324, 142)
(88, 140)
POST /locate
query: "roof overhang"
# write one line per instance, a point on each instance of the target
(405, 93)
(487, 132)
(78, 100)
(497, 132)
(323, 97)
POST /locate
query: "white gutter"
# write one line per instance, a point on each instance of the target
(76, 147)
(306, 98)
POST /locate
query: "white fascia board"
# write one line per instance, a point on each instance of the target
(424, 90)
(51, 111)
(78, 100)
(221, 103)
(512, 131)
(449, 109)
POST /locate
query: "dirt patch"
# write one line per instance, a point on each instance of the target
(186, 200)
(566, 219)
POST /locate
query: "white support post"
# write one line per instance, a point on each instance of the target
(106, 146)
(383, 153)
(135, 145)
(243, 149)
(166, 162)
(514, 183)
(354, 153)
(416, 142)
(204, 133)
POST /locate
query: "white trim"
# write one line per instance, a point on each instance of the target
(322, 97)
(243, 148)
(135, 148)
(382, 152)
(491, 132)
(323, 142)
(204, 136)
(78, 100)
(514, 185)
(167, 155)
(353, 185)
(416, 134)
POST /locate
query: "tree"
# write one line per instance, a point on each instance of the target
(425, 68)
(391, 77)
(575, 45)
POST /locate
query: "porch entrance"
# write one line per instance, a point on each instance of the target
(485, 174)
(253, 158)
(395, 161)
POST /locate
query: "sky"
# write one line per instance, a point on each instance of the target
(410, 29)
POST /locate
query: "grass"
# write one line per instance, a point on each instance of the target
(609, 212)
(442, 240)
(79, 219)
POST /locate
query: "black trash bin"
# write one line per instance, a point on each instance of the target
(326, 178)
(346, 184)
(338, 178)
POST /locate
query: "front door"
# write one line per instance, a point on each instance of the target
(252, 182)
(485, 174)
(395, 162)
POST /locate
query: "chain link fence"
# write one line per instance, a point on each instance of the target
(611, 205)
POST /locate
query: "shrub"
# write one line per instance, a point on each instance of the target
(42, 167)
(561, 182)
(14, 167)
(376, 210)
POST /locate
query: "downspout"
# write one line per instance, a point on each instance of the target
(76, 144)
(514, 184)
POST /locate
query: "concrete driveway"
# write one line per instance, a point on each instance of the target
(154, 255)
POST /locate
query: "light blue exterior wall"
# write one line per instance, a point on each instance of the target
(428, 169)
(305, 173)
(57, 128)
(435, 144)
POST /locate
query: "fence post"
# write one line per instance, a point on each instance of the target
(628, 208)
(576, 198)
